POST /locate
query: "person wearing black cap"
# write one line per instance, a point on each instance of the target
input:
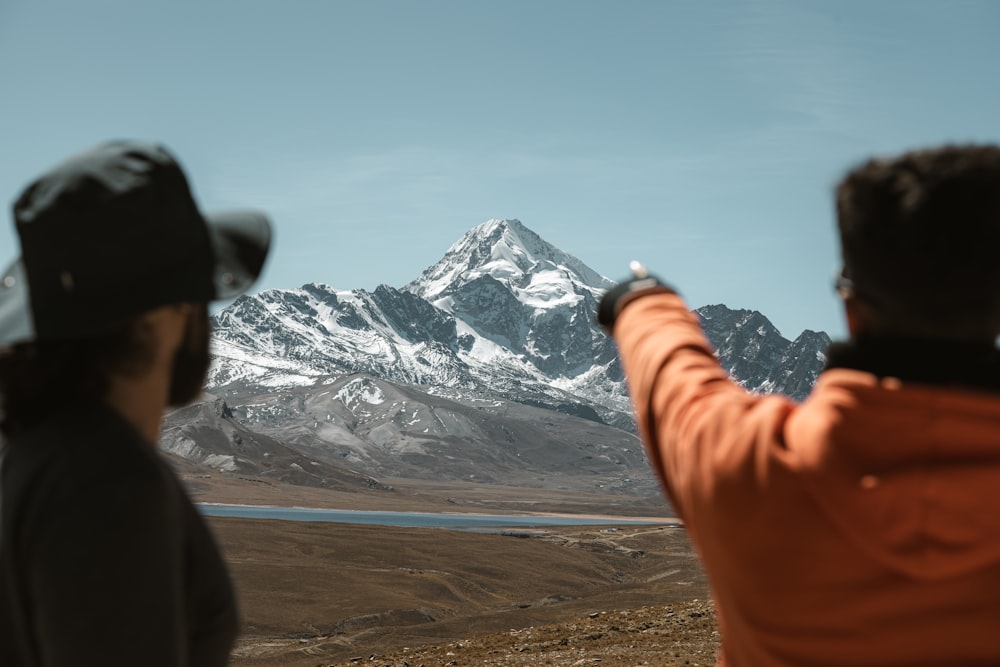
(103, 325)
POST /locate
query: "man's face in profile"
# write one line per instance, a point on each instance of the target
(192, 360)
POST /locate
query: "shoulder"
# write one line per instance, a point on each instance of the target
(79, 462)
(95, 435)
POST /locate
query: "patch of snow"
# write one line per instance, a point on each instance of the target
(224, 462)
(360, 390)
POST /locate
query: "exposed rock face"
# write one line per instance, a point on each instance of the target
(757, 355)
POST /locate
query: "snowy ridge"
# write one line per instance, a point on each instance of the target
(316, 331)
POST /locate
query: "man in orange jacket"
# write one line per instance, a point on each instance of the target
(861, 527)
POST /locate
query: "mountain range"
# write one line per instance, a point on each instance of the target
(488, 366)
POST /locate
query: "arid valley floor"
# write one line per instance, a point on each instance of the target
(341, 594)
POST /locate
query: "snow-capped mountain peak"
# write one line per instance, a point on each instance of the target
(511, 253)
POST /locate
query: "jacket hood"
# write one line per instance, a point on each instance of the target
(908, 471)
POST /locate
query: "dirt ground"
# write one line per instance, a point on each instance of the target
(325, 594)
(666, 635)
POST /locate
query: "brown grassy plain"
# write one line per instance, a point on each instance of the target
(344, 594)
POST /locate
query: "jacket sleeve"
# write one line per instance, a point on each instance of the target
(706, 437)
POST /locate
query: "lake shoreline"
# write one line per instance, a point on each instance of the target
(443, 519)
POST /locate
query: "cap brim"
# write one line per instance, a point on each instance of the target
(16, 322)
(240, 242)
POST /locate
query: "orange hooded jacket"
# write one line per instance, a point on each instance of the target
(861, 527)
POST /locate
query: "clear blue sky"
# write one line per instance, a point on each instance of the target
(701, 137)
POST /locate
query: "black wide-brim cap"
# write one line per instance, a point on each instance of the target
(114, 232)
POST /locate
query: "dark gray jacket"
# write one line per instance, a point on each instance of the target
(103, 558)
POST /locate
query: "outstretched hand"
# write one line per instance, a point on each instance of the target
(639, 284)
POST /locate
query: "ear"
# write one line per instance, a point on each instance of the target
(860, 318)
(168, 324)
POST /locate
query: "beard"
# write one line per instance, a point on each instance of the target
(191, 361)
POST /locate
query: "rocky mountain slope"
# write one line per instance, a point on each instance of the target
(357, 431)
(488, 366)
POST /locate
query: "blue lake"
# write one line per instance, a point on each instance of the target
(416, 519)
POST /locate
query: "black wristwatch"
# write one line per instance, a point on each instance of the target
(641, 282)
